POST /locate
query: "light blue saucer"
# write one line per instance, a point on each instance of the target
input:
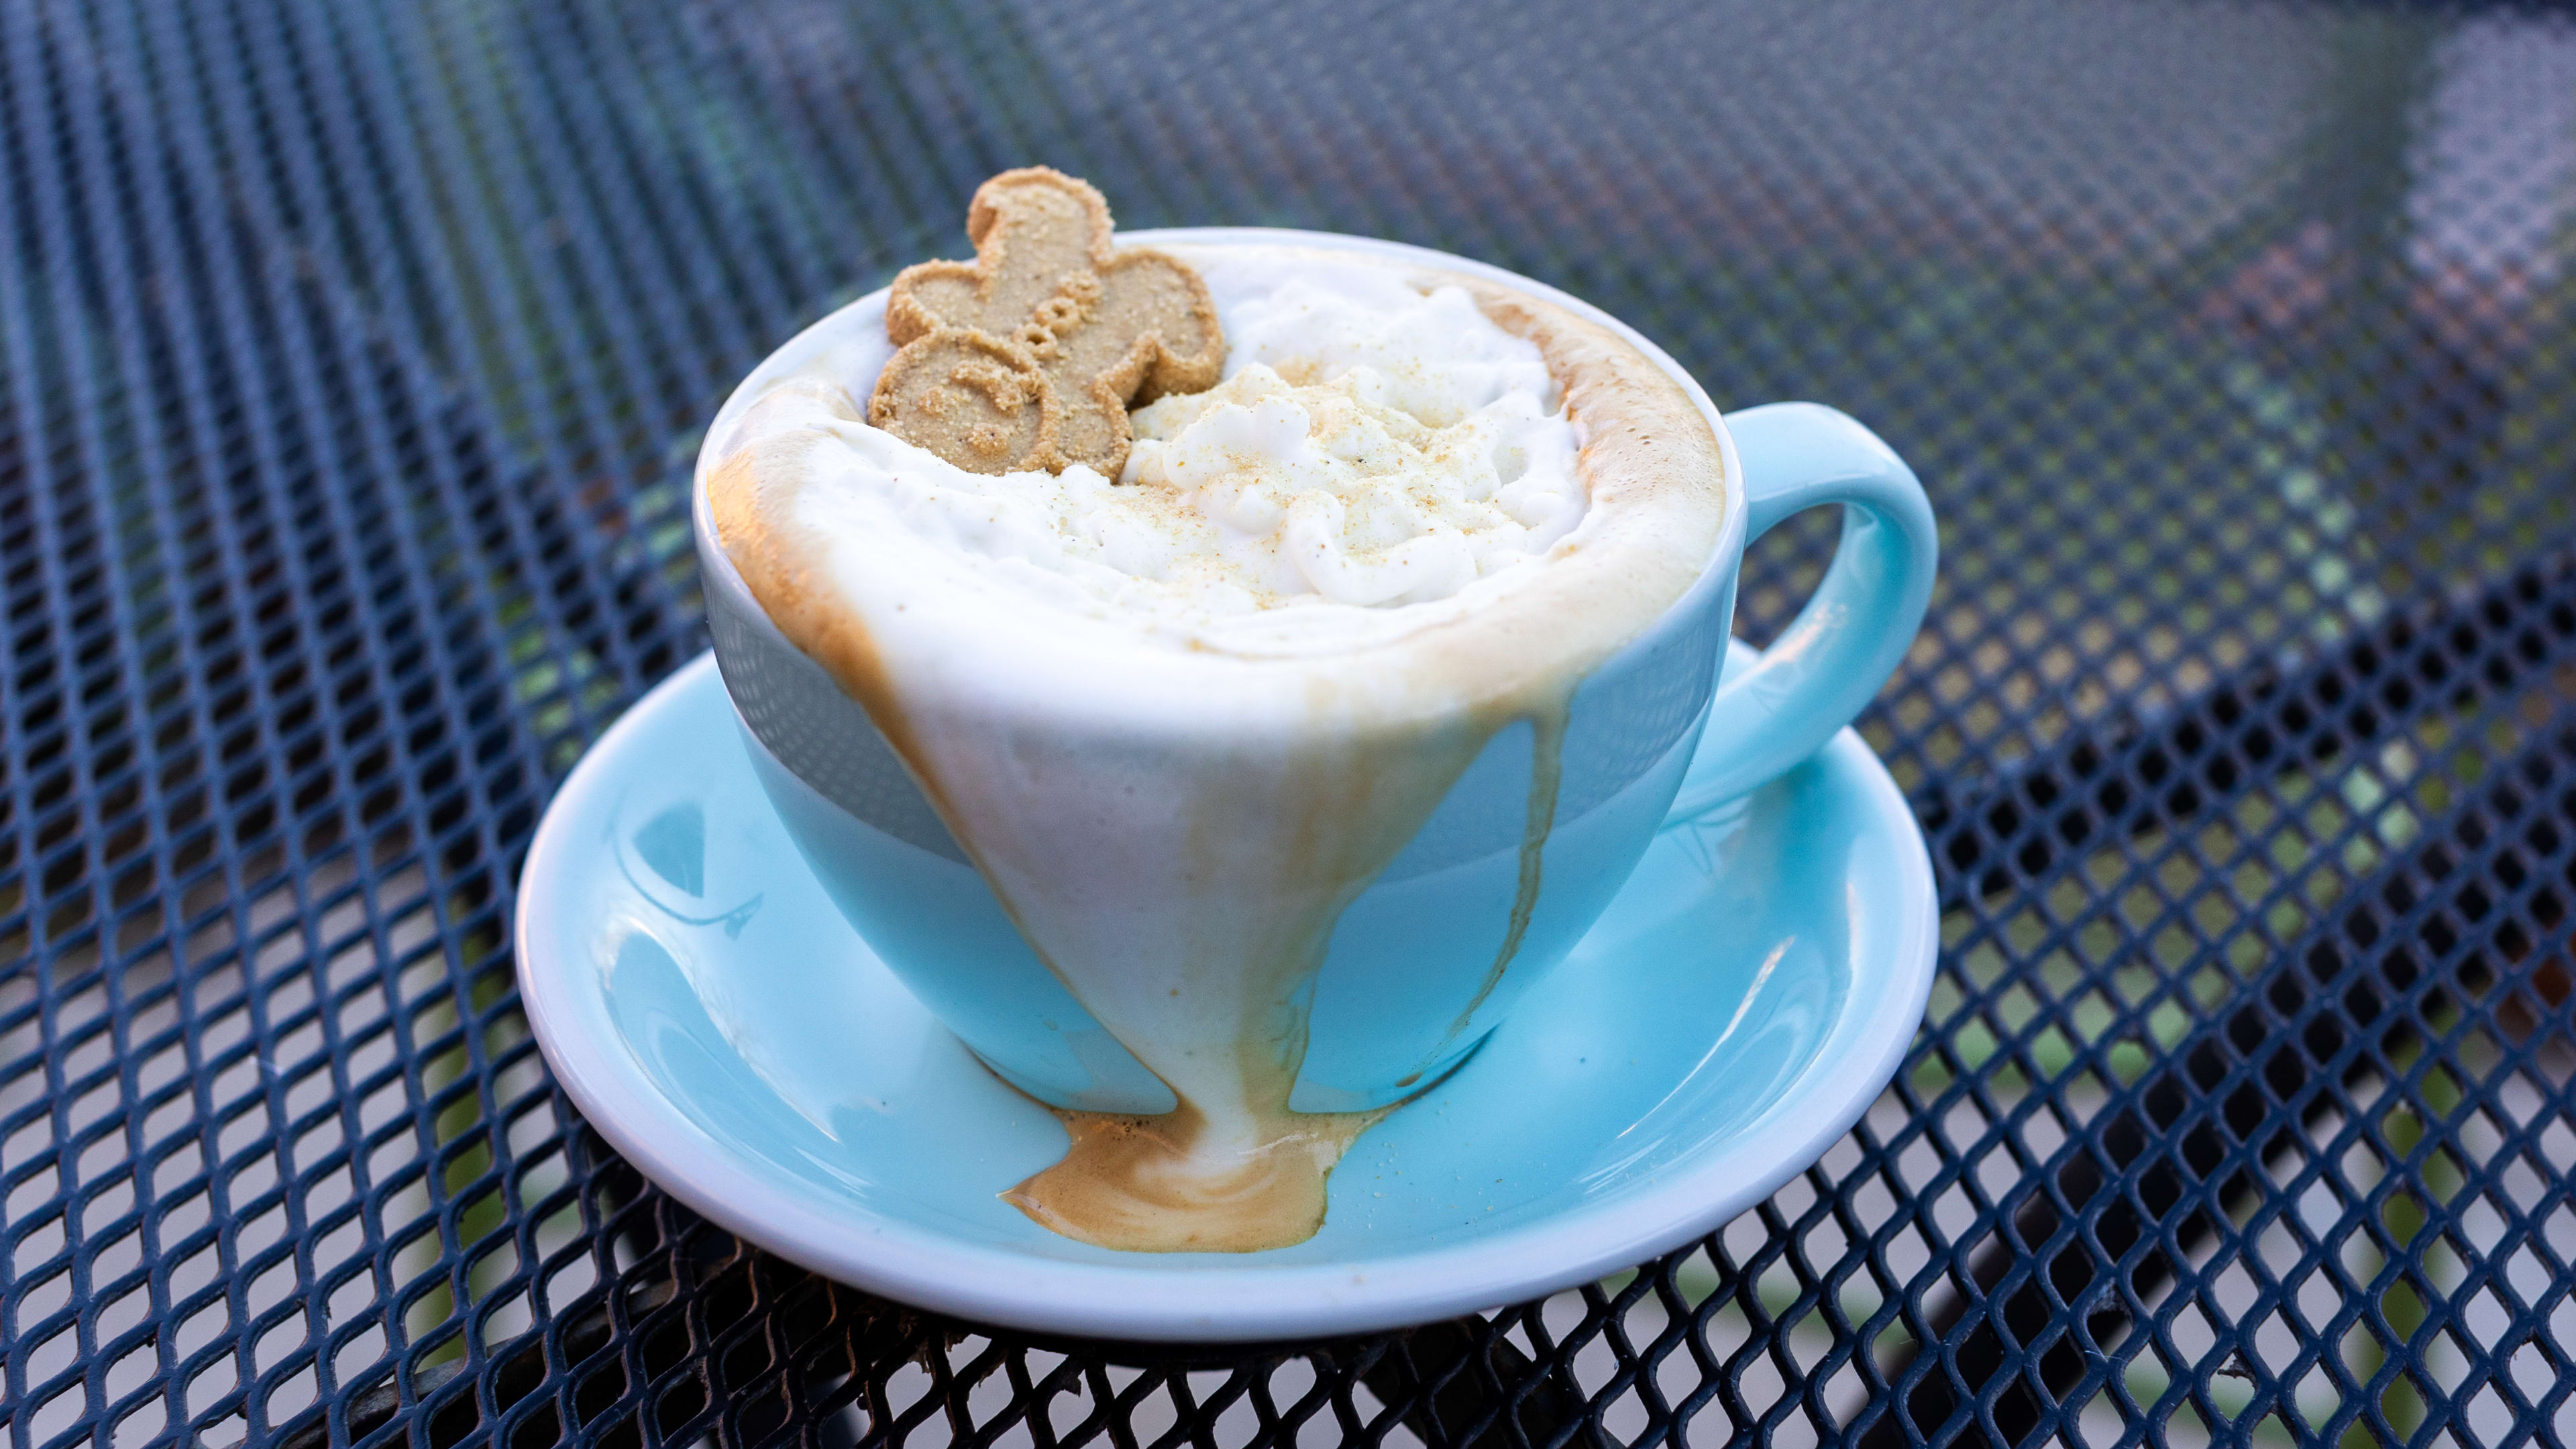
(1739, 1006)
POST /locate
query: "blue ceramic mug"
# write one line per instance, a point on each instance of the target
(1404, 994)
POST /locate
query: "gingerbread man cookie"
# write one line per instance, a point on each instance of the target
(1028, 356)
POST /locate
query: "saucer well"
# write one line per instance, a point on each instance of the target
(1743, 1000)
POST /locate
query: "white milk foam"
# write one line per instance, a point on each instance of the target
(1371, 450)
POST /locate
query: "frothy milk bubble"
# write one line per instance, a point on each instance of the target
(1181, 719)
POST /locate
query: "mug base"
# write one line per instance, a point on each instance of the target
(1403, 1091)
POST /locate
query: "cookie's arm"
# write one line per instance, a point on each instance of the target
(930, 295)
(1158, 299)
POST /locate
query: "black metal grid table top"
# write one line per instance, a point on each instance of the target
(353, 353)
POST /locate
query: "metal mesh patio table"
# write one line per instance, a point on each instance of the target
(353, 357)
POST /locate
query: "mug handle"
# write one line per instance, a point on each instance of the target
(1829, 663)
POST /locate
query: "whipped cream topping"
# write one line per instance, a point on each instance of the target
(1372, 449)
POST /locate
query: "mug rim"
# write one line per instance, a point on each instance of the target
(716, 566)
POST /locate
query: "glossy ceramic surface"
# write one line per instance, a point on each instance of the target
(1738, 1005)
(1406, 991)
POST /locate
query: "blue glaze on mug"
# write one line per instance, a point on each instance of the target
(1408, 987)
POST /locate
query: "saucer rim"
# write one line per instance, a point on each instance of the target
(1228, 1301)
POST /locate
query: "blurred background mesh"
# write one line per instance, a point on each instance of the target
(354, 354)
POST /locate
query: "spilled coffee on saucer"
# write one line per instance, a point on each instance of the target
(1312, 526)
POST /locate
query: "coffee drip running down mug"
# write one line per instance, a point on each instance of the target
(1408, 986)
